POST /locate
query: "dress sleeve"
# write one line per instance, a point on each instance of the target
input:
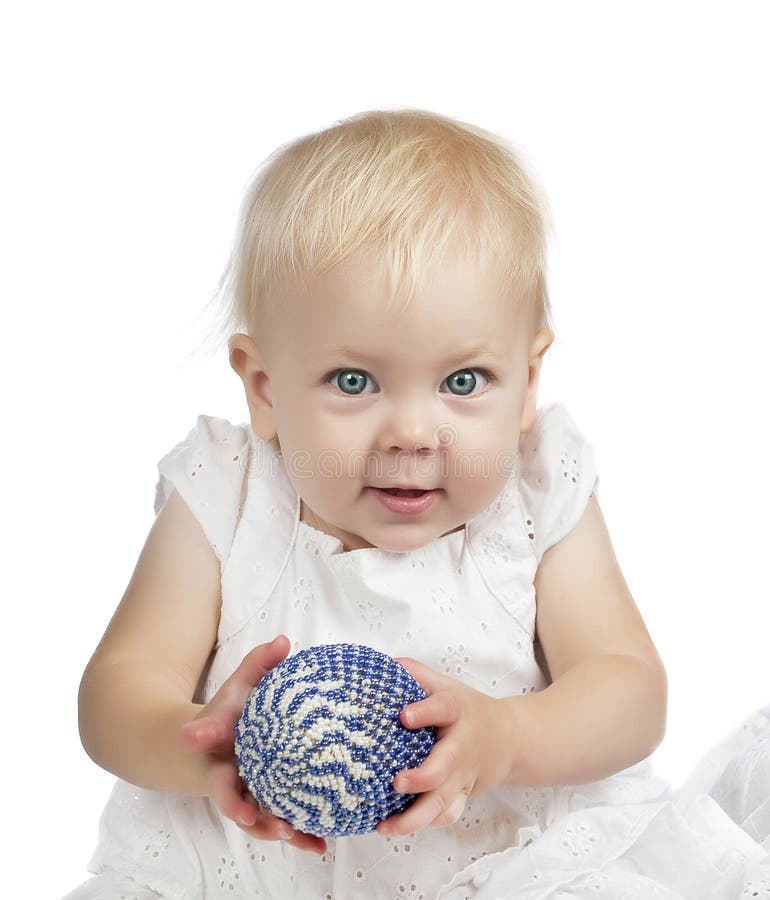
(208, 470)
(558, 475)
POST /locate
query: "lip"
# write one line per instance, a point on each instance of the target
(400, 487)
(410, 506)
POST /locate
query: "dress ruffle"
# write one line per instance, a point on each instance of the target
(708, 840)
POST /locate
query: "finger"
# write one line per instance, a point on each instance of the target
(282, 830)
(258, 661)
(441, 763)
(204, 734)
(243, 809)
(452, 813)
(428, 680)
(229, 700)
(271, 828)
(297, 839)
(304, 841)
(227, 792)
(213, 730)
(439, 710)
(425, 810)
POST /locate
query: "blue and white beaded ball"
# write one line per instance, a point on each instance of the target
(320, 742)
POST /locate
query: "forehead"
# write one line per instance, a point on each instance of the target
(459, 304)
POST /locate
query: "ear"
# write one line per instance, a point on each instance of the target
(540, 343)
(248, 362)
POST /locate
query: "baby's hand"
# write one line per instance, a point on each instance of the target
(212, 732)
(471, 753)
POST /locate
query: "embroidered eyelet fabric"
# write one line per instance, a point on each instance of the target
(465, 606)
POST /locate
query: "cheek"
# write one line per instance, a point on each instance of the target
(344, 435)
(479, 482)
(328, 454)
(506, 451)
(299, 424)
(487, 453)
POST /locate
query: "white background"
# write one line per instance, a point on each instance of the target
(130, 132)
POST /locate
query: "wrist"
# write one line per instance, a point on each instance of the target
(504, 741)
(515, 714)
(190, 773)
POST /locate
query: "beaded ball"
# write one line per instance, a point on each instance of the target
(320, 742)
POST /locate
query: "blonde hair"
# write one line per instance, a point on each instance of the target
(407, 184)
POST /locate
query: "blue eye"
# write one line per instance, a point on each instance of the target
(465, 381)
(350, 381)
(353, 382)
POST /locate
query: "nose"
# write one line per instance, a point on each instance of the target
(410, 426)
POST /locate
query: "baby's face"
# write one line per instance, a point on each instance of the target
(365, 399)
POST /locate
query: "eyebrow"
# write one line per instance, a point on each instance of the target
(476, 350)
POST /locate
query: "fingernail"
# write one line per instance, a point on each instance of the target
(408, 716)
(286, 832)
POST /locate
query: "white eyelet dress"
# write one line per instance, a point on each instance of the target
(465, 606)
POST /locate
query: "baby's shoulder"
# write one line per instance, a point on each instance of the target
(558, 472)
(236, 485)
(208, 469)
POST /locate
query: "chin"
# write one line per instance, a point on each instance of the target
(404, 546)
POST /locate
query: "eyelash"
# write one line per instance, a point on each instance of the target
(489, 376)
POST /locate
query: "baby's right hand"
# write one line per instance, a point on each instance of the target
(212, 732)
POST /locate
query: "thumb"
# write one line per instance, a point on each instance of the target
(226, 706)
(203, 734)
(258, 662)
(211, 729)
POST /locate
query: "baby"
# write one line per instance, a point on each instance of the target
(398, 486)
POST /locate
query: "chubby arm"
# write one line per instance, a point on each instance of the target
(136, 691)
(606, 707)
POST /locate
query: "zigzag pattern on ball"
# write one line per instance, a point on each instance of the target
(320, 742)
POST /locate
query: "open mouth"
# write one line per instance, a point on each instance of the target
(406, 501)
(399, 492)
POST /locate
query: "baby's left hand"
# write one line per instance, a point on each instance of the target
(472, 752)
